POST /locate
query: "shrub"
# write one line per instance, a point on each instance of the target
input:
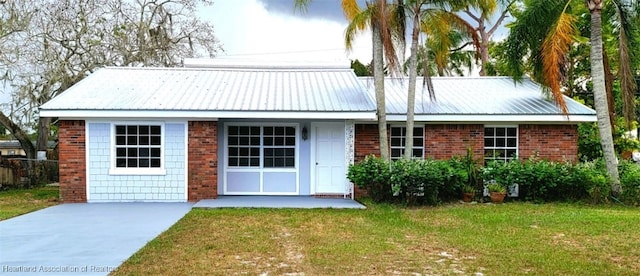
(373, 174)
(630, 181)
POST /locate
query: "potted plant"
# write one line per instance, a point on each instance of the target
(497, 192)
(468, 193)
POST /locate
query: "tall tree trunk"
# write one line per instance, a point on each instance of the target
(484, 48)
(20, 135)
(378, 84)
(411, 93)
(600, 95)
(44, 127)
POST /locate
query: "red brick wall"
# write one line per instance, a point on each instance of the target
(72, 166)
(553, 142)
(446, 141)
(203, 160)
(366, 141)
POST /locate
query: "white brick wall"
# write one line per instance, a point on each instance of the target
(103, 187)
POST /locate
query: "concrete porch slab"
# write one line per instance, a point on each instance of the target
(299, 202)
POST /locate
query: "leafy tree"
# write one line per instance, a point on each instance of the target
(58, 43)
(360, 69)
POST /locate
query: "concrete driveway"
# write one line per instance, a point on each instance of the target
(77, 239)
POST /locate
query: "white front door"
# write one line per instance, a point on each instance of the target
(328, 160)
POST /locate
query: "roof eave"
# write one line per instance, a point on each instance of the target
(500, 118)
(200, 114)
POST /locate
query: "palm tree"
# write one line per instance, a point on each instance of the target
(546, 30)
(378, 16)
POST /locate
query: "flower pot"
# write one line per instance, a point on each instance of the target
(497, 197)
(468, 197)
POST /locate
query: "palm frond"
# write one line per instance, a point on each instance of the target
(356, 25)
(555, 47)
(350, 8)
(626, 72)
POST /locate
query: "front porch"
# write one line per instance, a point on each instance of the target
(298, 202)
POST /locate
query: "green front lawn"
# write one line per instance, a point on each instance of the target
(21, 201)
(507, 239)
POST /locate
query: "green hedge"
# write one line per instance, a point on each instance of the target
(416, 182)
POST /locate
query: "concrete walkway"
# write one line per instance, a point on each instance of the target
(278, 202)
(78, 239)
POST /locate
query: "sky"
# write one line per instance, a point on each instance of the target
(273, 30)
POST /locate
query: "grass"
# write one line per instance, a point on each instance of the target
(513, 239)
(16, 202)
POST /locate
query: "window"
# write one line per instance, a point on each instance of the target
(398, 137)
(244, 146)
(138, 146)
(500, 143)
(261, 146)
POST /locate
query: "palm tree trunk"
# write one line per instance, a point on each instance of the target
(413, 74)
(378, 83)
(600, 95)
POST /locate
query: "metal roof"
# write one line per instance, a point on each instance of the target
(216, 93)
(478, 99)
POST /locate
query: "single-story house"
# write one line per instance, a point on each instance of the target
(185, 134)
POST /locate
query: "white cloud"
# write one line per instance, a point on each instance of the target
(248, 31)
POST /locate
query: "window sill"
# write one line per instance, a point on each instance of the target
(137, 171)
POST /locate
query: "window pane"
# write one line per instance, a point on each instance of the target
(143, 152)
(279, 130)
(233, 151)
(255, 141)
(132, 163)
(233, 161)
(244, 141)
(291, 131)
(155, 140)
(511, 131)
(290, 162)
(279, 163)
(500, 142)
(396, 142)
(489, 131)
(396, 131)
(233, 130)
(396, 153)
(233, 141)
(268, 152)
(121, 152)
(417, 142)
(244, 130)
(132, 152)
(255, 131)
(488, 142)
(121, 140)
(155, 162)
(244, 162)
(278, 152)
(132, 140)
(511, 153)
(155, 152)
(500, 131)
(155, 130)
(132, 130)
(418, 131)
(255, 152)
(290, 141)
(121, 130)
(511, 142)
(290, 152)
(268, 163)
(144, 140)
(144, 163)
(255, 162)
(244, 151)
(278, 141)
(268, 131)
(121, 162)
(143, 130)
(268, 141)
(417, 153)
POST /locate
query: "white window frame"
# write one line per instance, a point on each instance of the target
(506, 158)
(261, 169)
(113, 170)
(391, 136)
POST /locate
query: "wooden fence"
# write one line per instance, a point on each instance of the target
(22, 172)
